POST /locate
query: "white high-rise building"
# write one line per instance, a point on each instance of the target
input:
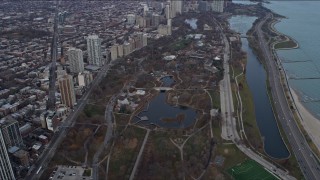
(145, 9)
(144, 40)
(131, 19)
(120, 50)
(75, 57)
(176, 7)
(114, 52)
(217, 5)
(6, 171)
(169, 22)
(94, 50)
(168, 11)
(126, 48)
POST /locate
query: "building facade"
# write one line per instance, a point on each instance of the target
(75, 57)
(94, 50)
(114, 52)
(131, 19)
(10, 132)
(6, 171)
(120, 50)
(67, 91)
(217, 6)
(85, 78)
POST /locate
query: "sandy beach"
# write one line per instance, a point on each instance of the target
(309, 122)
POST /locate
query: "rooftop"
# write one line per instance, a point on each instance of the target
(72, 173)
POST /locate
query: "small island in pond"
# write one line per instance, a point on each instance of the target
(179, 118)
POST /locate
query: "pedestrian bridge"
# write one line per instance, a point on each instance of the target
(302, 78)
(244, 36)
(298, 61)
(162, 88)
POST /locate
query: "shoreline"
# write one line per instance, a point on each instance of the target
(288, 38)
(310, 123)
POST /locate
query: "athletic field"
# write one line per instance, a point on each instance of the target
(250, 170)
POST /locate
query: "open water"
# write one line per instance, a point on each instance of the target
(256, 79)
(303, 25)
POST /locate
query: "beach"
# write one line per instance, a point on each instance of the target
(308, 121)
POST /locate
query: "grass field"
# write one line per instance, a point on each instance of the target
(250, 170)
(286, 44)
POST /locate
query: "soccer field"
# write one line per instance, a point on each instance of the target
(250, 170)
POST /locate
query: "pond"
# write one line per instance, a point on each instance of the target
(160, 113)
(167, 81)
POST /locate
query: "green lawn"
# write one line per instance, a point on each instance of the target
(250, 170)
(285, 44)
(180, 44)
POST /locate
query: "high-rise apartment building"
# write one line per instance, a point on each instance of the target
(144, 40)
(6, 171)
(168, 11)
(94, 50)
(176, 7)
(131, 19)
(126, 48)
(155, 21)
(75, 57)
(10, 132)
(217, 6)
(114, 52)
(67, 91)
(141, 21)
(203, 6)
(120, 50)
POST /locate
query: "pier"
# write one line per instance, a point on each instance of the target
(297, 61)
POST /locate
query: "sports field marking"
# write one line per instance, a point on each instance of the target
(250, 170)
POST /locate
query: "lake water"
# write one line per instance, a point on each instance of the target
(167, 81)
(256, 79)
(303, 25)
(158, 109)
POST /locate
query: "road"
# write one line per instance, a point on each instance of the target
(307, 162)
(58, 137)
(109, 120)
(229, 128)
(52, 70)
(136, 164)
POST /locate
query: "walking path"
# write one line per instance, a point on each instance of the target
(229, 129)
(136, 164)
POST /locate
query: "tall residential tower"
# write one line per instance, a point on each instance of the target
(10, 132)
(6, 171)
(94, 50)
(217, 6)
(67, 91)
(75, 57)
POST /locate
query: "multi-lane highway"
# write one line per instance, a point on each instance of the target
(58, 137)
(229, 128)
(52, 70)
(307, 162)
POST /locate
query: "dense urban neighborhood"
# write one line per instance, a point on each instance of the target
(144, 90)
